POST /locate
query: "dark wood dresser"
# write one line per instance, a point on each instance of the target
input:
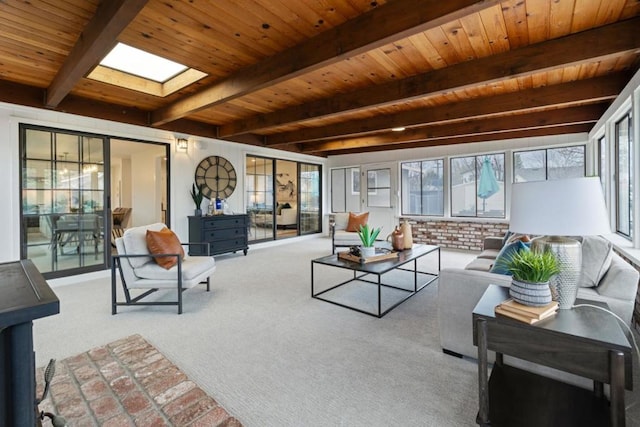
(224, 233)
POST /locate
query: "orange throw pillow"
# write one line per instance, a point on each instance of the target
(355, 221)
(164, 241)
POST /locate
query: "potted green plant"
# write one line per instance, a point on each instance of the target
(368, 238)
(197, 196)
(531, 271)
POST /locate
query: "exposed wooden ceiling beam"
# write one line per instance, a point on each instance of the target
(566, 94)
(369, 31)
(515, 134)
(590, 45)
(564, 116)
(98, 38)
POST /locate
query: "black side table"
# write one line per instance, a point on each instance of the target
(583, 341)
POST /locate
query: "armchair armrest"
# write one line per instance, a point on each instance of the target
(332, 227)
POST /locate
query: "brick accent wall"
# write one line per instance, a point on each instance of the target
(457, 234)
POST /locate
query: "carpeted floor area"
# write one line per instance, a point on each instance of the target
(269, 354)
(128, 383)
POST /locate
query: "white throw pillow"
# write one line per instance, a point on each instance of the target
(597, 253)
(135, 243)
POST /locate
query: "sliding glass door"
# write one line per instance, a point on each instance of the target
(63, 200)
(259, 198)
(310, 198)
(282, 198)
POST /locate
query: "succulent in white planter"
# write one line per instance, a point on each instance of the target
(368, 237)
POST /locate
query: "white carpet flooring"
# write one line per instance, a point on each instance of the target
(273, 356)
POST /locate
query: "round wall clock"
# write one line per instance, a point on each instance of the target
(217, 177)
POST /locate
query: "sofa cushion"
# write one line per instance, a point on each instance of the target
(596, 260)
(135, 243)
(489, 253)
(164, 241)
(507, 252)
(342, 238)
(191, 267)
(356, 221)
(480, 264)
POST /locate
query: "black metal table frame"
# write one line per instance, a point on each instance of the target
(358, 268)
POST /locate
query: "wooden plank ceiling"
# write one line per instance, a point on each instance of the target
(328, 77)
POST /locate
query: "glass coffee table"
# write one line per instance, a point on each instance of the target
(393, 282)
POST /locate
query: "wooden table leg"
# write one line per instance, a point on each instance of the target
(483, 378)
(616, 369)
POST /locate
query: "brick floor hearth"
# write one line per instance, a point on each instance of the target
(128, 383)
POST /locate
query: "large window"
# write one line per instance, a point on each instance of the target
(624, 176)
(345, 189)
(422, 187)
(551, 163)
(477, 186)
(379, 188)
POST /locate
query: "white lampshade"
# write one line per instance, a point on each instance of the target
(564, 207)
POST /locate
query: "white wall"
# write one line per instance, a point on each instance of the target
(182, 165)
(144, 176)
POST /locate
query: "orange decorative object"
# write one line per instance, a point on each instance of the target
(164, 241)
(397, 239)
(356, 220)
(407, 232)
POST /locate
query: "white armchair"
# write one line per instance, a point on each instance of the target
(138, 270)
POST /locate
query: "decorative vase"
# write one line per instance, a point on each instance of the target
(527, 293)
(397, 239)
(197, 212)
(367, 251)
(407, 234)
(568, 252)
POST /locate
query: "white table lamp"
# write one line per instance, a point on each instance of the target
(557, 208)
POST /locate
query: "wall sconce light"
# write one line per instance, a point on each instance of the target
(182, 144)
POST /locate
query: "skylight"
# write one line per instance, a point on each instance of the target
(140, 63)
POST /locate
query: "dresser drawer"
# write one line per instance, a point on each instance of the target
(222, 223)
(223, 234)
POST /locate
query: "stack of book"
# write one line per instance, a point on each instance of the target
(526, 313)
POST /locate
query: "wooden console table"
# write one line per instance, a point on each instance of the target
(583, 341)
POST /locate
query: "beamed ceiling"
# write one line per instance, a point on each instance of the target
(328, 77)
